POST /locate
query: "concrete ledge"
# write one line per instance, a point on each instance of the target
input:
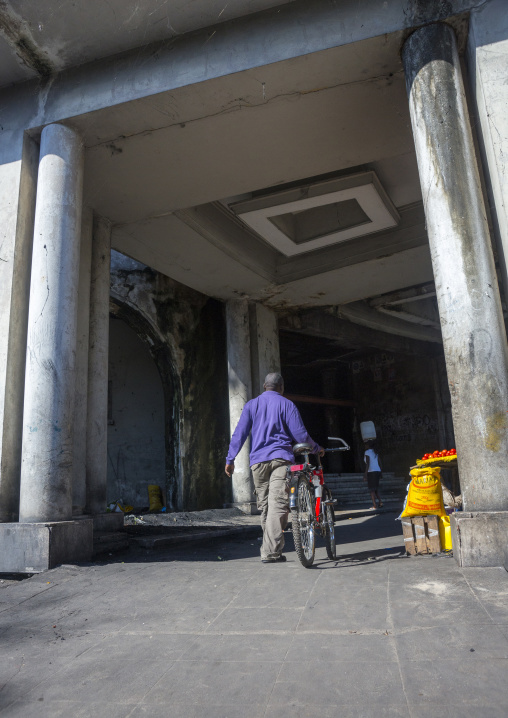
(37, 547)
(104, 523)
(480, 538)
(247, 507)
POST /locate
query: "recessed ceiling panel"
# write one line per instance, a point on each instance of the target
(318, 215)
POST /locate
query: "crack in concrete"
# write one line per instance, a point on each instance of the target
(17, 35)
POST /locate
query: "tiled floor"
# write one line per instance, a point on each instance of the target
(210, 632)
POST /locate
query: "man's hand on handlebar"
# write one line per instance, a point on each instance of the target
(321, 451)
(229, 469)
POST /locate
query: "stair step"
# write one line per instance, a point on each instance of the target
(110, 542)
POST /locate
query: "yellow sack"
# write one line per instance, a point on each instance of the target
(425, 497)
(155, 497)
(445, 533)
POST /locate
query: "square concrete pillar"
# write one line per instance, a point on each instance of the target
(480, 538)
(264, 345)
(37, 547)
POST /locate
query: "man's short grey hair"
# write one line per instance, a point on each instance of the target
(274, 381)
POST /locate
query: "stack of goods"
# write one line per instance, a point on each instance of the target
(425, 523)
(447, 455)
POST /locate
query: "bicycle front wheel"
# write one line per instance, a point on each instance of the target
(302, 521)
(331, 550)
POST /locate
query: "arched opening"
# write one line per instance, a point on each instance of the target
(167, 388)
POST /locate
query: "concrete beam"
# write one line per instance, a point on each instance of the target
(292, 30)
(346, 334)
(361, 313)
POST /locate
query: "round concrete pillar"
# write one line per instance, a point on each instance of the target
(97, 418)
(46, 472)
(472, 324)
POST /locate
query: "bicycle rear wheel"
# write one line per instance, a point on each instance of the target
(331, 550)
(302, 521)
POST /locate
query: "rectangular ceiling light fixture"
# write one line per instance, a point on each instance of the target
(318, 215)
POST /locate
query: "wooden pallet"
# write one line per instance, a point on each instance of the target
(421, 534)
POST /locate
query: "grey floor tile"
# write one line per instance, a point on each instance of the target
(256, 620)
(492, 580)
(462, 711)
(239, 710)
(263, 594)
(239, 647)
(339, 614)
(437, 612)
(215, 683)
(93, 679)
(142, 647)
(18, 677)
(352, 647)
(66, 709)
(418, 588)
(467, 642)
(181, 618)
(359, 710)
(432, 681)
(340, 683)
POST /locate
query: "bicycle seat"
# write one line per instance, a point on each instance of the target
(302, 449)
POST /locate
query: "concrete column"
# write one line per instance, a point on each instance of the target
(264, 345)
(46, 472)
(332, 462)
(240, 390)
(80, 397)
(19, 157)
(472, 324)
(97, 421)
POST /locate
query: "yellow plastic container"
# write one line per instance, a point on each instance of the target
(445, 533)
(155, 497)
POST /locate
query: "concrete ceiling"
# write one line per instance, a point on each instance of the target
(158, 167)
(39, 38)
(165, 167)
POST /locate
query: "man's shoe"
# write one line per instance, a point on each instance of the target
(279, 559)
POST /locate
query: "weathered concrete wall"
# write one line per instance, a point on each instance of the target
(185, 333)
(397, 393)
(487, 58)
(136, 447)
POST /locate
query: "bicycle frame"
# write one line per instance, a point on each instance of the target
(315, 477)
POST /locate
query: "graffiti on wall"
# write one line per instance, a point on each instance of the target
(404, 428)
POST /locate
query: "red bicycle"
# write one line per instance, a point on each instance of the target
(311, 504)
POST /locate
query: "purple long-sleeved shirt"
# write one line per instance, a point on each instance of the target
(276, 425)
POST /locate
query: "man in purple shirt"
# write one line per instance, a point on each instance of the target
(276, 425)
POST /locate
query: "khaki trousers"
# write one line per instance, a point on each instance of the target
(272, 496)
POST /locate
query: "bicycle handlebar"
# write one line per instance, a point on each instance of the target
(344, 447)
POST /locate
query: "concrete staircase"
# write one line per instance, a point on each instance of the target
(351, 491)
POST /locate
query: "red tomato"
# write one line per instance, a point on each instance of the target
(426, 456)
(453, 452)
(435, 454)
